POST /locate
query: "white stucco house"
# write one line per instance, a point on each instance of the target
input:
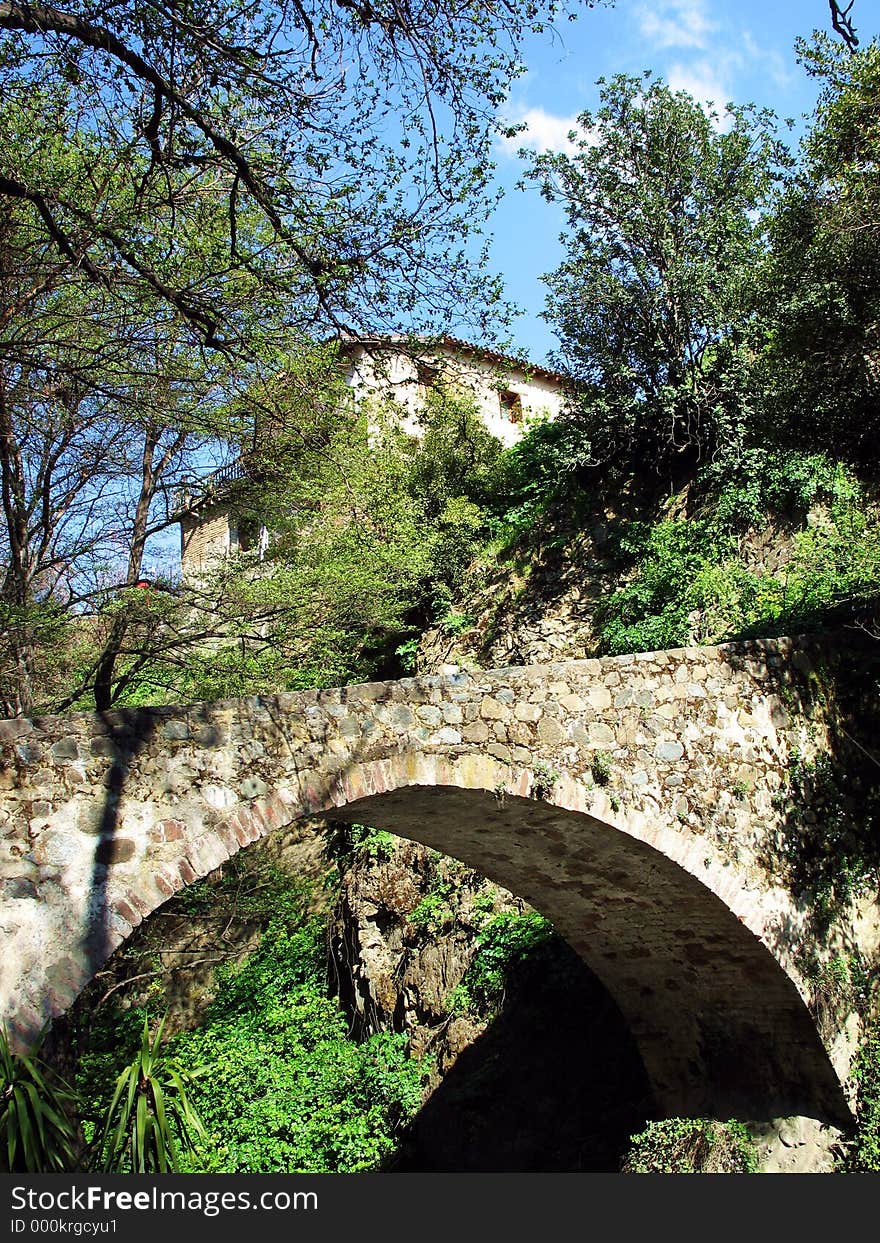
(399, 373)
(507, 390)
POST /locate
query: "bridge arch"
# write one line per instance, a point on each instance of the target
(691, 953)
(657, 880)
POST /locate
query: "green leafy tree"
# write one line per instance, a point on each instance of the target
(820, 301)
(190, 196)
(348, 143)
(104, 404)
(660, 198)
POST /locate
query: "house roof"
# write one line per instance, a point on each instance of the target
(450, 343)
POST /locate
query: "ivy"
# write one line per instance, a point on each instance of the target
(864, 1151)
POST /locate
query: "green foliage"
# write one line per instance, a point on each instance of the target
(433, 912)
(284, 1088)
(372, 843)
(690, 583)
(692, 1146)
(362, 840)
(350, 557)
(600, 767)
(545, 779)
(452, 477)
(829, 843)
(457, 456)
(372, 530)
(651, 612)
(660, 201)
(746, 487)
(247, 888)
(839, 986)
(150, 1115)
(407, 653)
(819, 300)
(455, 623)
(542, 470)
(37, 1134)
(484, 902)
(863, 1155)
(506, 944)
(46, 632)
(281, 1086)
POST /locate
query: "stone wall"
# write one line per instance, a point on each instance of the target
(630, 799)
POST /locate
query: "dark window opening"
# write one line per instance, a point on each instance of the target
(244, 534)
(511, 406)
(427, 376)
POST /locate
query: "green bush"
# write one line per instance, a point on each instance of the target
(547, 466)
(745, 489)
(284, 1088)
(689, 583)
(505, 944)
(691, 1146)
(281, 1087)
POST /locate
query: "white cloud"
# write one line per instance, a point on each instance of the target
(772, 62)
(675, 23)
(701, 80)
(543, 132)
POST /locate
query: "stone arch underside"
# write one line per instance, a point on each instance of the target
(721, 1028)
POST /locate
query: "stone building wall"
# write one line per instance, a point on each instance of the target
(205, 539)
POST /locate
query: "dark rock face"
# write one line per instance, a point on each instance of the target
(550, 1080)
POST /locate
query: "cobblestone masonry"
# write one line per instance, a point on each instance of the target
(626, 798)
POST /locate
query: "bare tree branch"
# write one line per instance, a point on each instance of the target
(842, 23)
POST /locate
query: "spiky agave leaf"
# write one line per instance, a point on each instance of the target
(150, 1113)
(37, 1134)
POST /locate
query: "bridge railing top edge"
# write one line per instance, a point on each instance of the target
(142, 722)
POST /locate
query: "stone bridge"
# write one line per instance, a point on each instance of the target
(630, 799)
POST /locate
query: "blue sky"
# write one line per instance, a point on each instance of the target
(720, 50)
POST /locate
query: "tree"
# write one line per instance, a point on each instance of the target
(660, 199)
(99, 411)
(372, 531)
(842, 23)
(348, 143)
(193, 194)
(821, 301)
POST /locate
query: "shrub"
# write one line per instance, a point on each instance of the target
(284, 1087)
(150, 1116)
(505, 944)
(691, 1146)
(36, 1131)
